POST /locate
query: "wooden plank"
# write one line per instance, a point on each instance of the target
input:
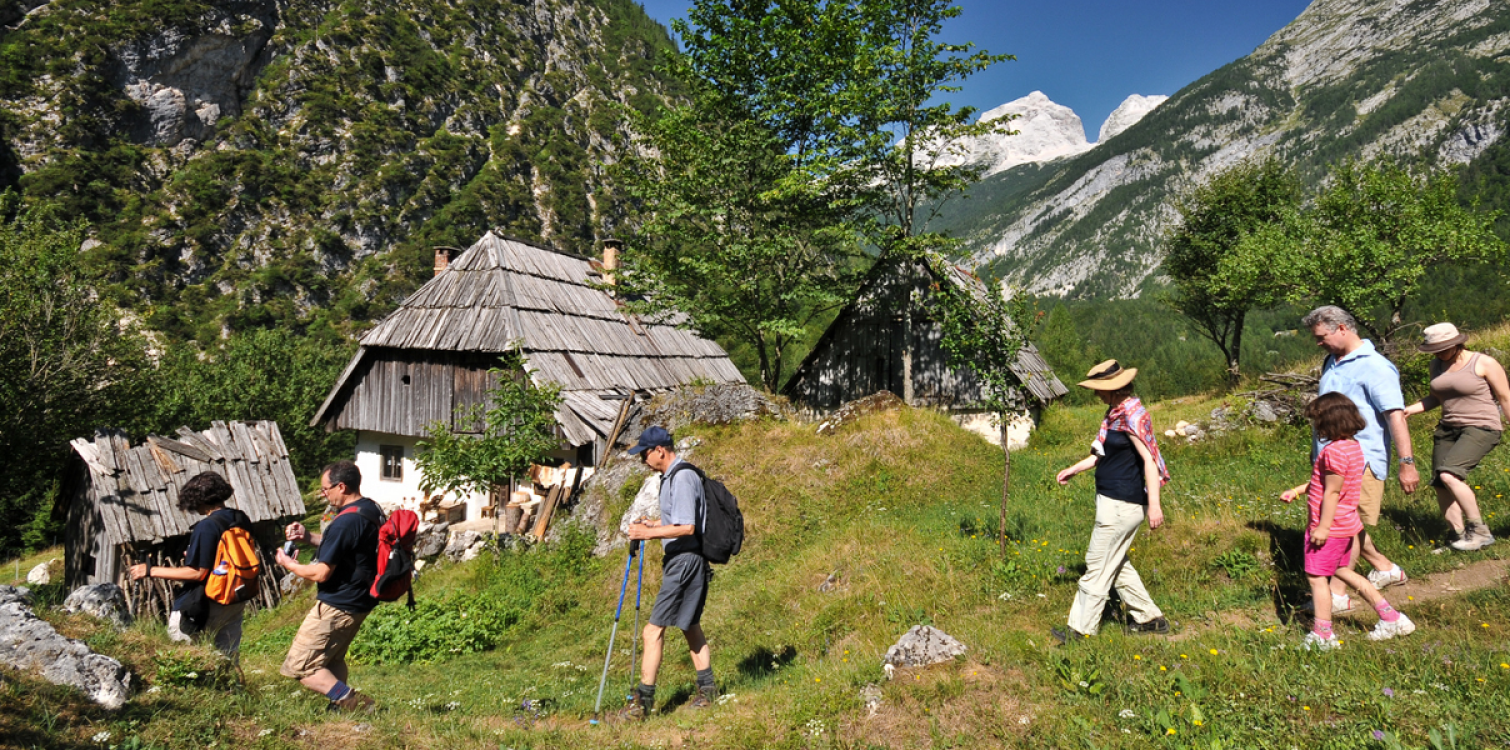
(166, 466)
(106, 450)
(245, 443)
(182, 449)
(221, 432)
(546, 509)
(205, 446)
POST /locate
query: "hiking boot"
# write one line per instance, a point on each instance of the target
(636, 709)
(354, 702)
(705, 698)
(1387, 630)
(1313, 642)
(1391, 577)
(1067, 634)
(1157, 626)
(1475, 536)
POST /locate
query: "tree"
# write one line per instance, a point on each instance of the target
(985, 332)
(1215, 218)
(518, 428)
(1367, 242)
(272, 374)
(67, 365)
(812, 127)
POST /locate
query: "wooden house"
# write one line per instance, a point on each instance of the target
(885, 341)
(431, 357)
(122, 502)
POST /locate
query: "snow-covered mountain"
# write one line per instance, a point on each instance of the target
(1041, 130)
(1128, 113)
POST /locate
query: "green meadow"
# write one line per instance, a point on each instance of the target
(897, 514)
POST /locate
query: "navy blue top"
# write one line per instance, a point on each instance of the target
(204, 537)
(1119, 473)
(349, 547)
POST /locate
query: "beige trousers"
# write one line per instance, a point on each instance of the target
(1106, 566)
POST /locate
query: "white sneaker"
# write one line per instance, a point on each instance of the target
(1387, 630)
(1383, 578)
(1340, 603)
(1315, 642)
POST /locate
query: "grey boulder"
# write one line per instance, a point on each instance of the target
(923, 645)
(105, 601)
(28, 643)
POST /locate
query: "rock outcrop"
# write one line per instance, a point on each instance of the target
(104, 601)
(923, 645)
(28, 643)
(1042, 131)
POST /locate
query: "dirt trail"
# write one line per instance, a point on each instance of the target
(1467, 577)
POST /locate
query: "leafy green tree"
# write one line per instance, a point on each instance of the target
(67, 365)
(1370, 238)
(518, 428)
(984, 331)
(268, 373)
(1215, 218)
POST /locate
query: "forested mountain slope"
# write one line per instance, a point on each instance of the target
(270, 162)
(1425, 82)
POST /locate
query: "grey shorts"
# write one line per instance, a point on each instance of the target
(1456, 450)
(684, 590)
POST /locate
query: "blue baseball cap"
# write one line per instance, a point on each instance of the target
(650, 438)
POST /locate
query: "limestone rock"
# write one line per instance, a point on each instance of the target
(924, 645)
(105, 601)
(431, 539)
(40, 575)
(1044, 131)
(461, 543)
(28, 643)
(647, 504)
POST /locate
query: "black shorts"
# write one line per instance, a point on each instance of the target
(684, 590)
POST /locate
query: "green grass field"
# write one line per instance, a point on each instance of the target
(899, 513)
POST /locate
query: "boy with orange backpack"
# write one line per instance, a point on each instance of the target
(221, 556)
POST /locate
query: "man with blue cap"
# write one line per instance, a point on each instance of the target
(684, 573)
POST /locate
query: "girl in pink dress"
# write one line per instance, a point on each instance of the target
(1333, 495)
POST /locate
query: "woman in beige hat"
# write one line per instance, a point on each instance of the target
(1467, 386)
(1129, 473)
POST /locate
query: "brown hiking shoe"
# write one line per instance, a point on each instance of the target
(705, 698)
(636, 709)
(354, 702)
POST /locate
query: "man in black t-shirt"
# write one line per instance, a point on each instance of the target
(343, 569)
(206, 493)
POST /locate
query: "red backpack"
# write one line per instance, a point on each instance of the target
(395, 555)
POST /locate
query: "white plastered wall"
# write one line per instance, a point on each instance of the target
(1019, 428)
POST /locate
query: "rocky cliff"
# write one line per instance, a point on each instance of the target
(1425, 82)
(251, 162)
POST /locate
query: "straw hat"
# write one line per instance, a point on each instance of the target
(1440, 337)
(1109, 376)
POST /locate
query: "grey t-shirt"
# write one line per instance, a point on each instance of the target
(681, 504)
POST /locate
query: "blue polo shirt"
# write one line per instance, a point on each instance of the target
(1373, 383)
(681, 504)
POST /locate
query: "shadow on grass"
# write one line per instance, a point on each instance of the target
(763, 662)
(1287, 550)
(1418, 522)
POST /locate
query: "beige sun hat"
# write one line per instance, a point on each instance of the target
(1440, 337)
(1109, 376)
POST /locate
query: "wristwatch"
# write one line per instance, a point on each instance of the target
(1408, 460)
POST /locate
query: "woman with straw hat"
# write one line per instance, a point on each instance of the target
(1129, 473)
(1467, 386)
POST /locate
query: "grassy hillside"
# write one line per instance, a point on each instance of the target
(898, 512)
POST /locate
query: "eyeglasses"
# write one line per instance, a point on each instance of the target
(324, 489)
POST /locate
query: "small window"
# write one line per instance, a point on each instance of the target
(393, 462)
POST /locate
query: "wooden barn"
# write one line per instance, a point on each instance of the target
(884, 341)
(431, 357)
(123, 502)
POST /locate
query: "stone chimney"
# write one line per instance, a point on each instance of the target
(443, 258)
(611, 249)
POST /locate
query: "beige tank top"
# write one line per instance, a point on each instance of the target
(1466, 398)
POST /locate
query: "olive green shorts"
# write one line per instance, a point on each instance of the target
(1457, 450)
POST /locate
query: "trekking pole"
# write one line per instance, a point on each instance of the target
(623, 588)
(634, 641)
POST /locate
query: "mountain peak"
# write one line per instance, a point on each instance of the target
(1131, 110)
(1042, 131)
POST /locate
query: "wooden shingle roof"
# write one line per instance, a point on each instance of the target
(503, 294)
(136, 488)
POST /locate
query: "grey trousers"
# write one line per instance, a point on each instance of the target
(223, 622)
(1106, 565)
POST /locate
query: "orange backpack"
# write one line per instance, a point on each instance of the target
(234, 578)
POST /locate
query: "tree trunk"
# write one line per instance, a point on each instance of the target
(1234, 357)
(1006, 482)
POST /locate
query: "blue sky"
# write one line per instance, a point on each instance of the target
(1089, 55)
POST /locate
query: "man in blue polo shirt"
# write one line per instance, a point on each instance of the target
(685, 574)
(343, 569)
(1355, 369)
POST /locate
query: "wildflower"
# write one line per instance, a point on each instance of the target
(1504, 665)
(1126, 713)
(1388, 693)
(1022, 720)
(264, 733)
(1379, 734)
(1061, 570)
(1084, 684)
(101, 738)
(1182, 656)
(1306, 708)
(1483, 624)
(1214, 652)
(1196, 722)
(1170, 731)
(1138, 657)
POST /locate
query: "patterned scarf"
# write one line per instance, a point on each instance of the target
(1130, 417)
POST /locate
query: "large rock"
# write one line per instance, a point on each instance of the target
(40, 575)
(431, 539)
(923, 645)
(1128, 113)
(462, 544)
(1044, 131)
(28, 643)
(105, 601)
